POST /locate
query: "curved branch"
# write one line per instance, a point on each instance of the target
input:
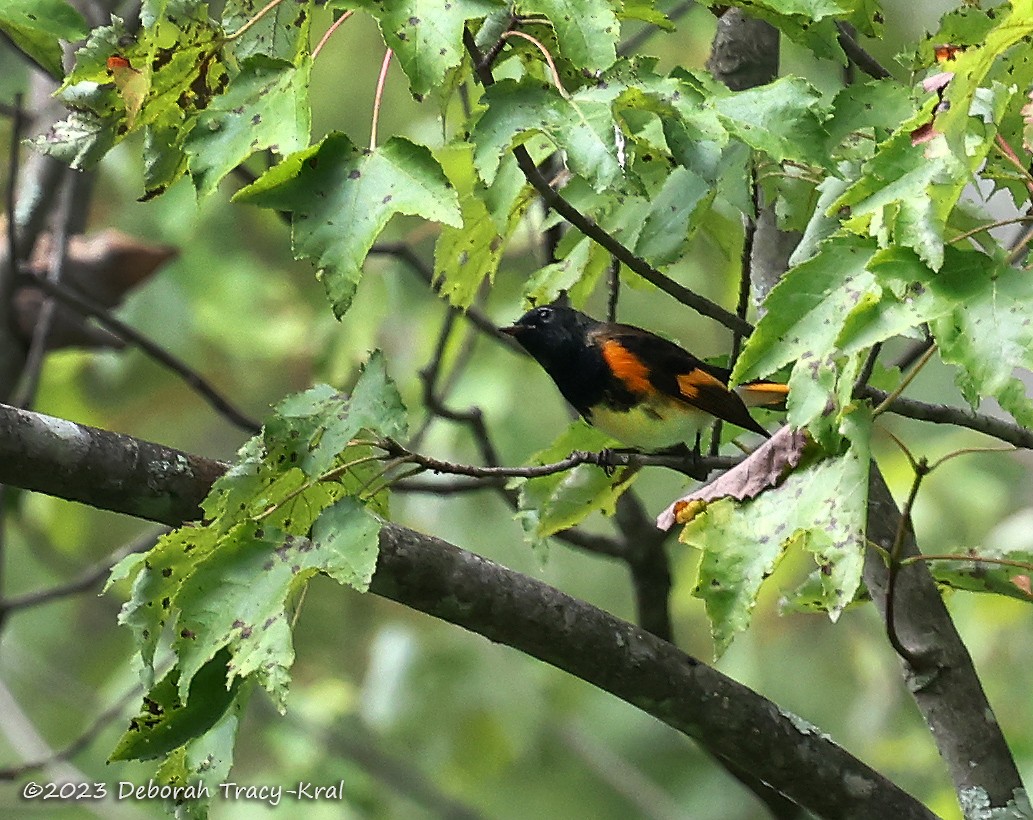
(729, 720)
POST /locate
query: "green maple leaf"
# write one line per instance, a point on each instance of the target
(581, 124)
(281, 32)
(265, 107)
(808, 308)
(587, 30)
(341, 197)
(822, 507)
(427, 35)
(37, 26)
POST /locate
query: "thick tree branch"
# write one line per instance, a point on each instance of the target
(730, 721)
(940, 675)
(106, 470)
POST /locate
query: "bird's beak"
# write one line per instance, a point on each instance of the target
(511, 330)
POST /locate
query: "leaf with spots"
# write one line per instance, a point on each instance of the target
(783, 119)
(577, 273)
(821, 507)
(1012, 579)
(36, 27)
(206, 759)
(587, 30)
(989, 336)
(281, 33)
(241, 597)
(581, 125)
(806, 311)
(341, 197)
(672, 216)
(427, 35)
(971, 68)
(912, 294)
(908, 190)
(169, 720)
(157, 576)
(464, 257)
(229, 582)
(265, 107)
(177, 67)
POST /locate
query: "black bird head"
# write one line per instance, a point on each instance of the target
(553, 334)
(557, 337)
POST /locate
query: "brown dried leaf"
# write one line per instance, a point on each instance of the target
(765, 468)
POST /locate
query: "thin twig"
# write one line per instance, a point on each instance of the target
(743, 303)
(958, 416)
(900, 388)
(87, 307)
(261, 13)
(459, 485)
(639, 38)
(378, 97)
(545, 53)
(1012, 157)
(921, 468)
(330, 31)
(867, 369)
(404, 253)
(491, 55)
(33, 369)
(989, 226)
(7, 283)
(86, 580)
(606, 459)
(70, 750)
(9, 278)
(473, 417)
(972, 559)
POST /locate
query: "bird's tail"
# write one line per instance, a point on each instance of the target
(771, 395)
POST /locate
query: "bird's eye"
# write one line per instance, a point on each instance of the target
(545, 314)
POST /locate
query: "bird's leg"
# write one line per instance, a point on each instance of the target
(608, 460)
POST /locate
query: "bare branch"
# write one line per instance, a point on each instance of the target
(958, 416)
(87, 580)
(197, 382)
(688, 463)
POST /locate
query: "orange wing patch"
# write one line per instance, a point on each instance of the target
(691, 384)
(627, 367)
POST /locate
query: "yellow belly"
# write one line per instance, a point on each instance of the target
(654, 426)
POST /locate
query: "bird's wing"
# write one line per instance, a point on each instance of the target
(646, 363)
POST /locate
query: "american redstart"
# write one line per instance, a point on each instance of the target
(634, 385)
